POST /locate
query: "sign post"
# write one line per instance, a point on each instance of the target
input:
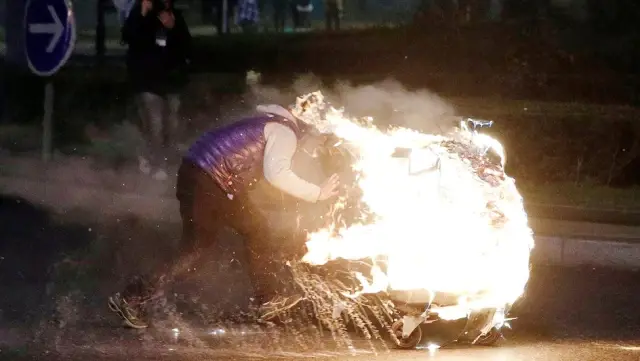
(225, 16)
(50, 36)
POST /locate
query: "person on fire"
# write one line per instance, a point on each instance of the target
(212, 188)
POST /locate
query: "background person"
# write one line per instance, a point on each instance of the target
(248, 15)
(159, 46)
(304, 9)
(279, 14)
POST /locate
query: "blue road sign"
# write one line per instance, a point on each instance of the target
(50, 35)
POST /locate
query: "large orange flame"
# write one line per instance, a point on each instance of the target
(435, 216)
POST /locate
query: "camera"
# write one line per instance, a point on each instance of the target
(159, 6)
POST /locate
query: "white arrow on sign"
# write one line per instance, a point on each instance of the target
(55, 28)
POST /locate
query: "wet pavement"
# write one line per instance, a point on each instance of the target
(58, 272)
(524, 350)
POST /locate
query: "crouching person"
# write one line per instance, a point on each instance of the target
(212, 186)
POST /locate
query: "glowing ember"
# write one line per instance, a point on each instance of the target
(445, 217)
(432, 348)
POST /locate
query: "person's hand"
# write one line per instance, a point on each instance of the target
(329, 188)
(167, 19)
(146, 6)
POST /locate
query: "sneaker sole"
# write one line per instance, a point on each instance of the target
(114, 307)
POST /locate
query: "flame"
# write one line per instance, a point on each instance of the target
(434, 215)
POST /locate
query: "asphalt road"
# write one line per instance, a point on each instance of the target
(47, 313)
(512, 350)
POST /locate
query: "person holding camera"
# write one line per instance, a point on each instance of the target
(159, 45)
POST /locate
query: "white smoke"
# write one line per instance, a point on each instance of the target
(388, 102)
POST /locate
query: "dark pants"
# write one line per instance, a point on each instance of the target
(295, 14)
(159, 126)
(304, 19)
(249, 27)
(219, 15)
(478, 9)
(205, 209)
(279, 15)
(332, 16)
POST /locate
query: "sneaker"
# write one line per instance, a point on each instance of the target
(276, 306)
(160, 175)
(120, 306)
(144, 165)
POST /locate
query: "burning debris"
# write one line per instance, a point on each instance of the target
(433, 215)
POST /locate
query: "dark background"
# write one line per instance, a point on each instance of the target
(535, 51)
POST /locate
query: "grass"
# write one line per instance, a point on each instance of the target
(112, 33)
(587, 196)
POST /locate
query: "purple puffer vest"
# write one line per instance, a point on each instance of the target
(233, 155)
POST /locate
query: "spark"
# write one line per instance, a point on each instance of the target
(454, 226)
(460, 229)
(218, 332)
(431, 347)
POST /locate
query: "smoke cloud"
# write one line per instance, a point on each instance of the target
(388, 101)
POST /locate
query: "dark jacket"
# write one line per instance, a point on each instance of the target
(154, 68)
(233, 155)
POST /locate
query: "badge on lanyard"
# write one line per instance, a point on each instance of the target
(161, 38)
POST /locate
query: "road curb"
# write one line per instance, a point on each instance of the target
(624, 217)
(580, 251)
